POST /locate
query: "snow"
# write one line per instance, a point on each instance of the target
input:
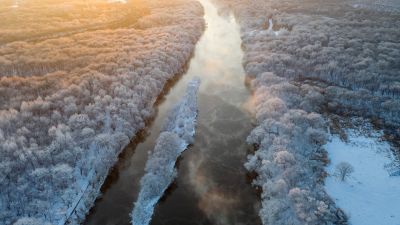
(269, 32)
(370, 196)
(160, 169)
(271, 26)
(160, 172)
(84, 185)
(182, 118)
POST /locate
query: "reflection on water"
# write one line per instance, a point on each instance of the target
(211, 187)
(211, 182)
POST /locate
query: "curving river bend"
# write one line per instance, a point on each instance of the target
(211, 188)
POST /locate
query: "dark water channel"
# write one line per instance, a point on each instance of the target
(211, 188)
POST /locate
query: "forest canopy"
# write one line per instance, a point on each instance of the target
(74, 93)
(42, 19)
(307, 60)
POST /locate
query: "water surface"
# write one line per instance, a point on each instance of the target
(211, 188)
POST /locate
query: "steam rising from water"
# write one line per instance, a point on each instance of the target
(215, 166)
(217, 204)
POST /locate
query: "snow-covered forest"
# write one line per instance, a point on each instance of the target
(42, 19)
(160, 167)
(318, 58)
(80, 79)
(70, 103)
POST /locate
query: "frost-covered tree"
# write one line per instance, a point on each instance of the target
(70, 103)
(328, 58)
(343, 170)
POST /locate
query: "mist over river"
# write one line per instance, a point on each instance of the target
(212, 185)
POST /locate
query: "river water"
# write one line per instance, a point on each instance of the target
(212, 186)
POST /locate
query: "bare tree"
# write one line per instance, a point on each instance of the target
(343, 170)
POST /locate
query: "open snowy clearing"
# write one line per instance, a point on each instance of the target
(370, 196)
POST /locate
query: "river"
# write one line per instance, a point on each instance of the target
(212, 187)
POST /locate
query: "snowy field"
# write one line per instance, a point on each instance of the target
(370, 196)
